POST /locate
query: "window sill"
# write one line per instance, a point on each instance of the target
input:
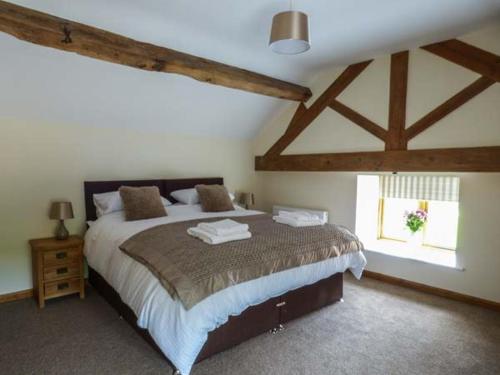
(426, 254)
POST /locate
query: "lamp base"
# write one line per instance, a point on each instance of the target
(61, 231)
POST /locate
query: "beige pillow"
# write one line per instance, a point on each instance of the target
(142, 203)
(214, 198)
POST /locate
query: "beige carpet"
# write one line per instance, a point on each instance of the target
(379, 329)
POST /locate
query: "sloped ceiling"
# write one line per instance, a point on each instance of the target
(40, 84)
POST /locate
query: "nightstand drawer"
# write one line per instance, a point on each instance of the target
(61, 256)
(62, 287)
(62, 271)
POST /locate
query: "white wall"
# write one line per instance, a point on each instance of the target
(41, 162)
(477, 123)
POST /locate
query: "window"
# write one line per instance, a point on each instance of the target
(382, 202)
(440, 230)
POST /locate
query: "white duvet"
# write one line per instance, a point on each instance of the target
(179, 333)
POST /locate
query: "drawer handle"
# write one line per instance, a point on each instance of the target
(62, 270)
(61, 255)
(281, 304)
(62, 286)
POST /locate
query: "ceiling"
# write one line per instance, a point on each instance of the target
(47, 85)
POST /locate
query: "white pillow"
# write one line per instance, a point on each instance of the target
(105, 203)
(186, 196)
(190, 196)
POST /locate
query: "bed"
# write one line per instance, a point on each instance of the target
(221, 321)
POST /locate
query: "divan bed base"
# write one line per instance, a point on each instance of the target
(255, 320)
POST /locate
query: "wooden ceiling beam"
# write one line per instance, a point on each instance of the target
(397, 157)
(476, 59)
(396, 139)
(302, 122)
(359, 120)
(50, 31)
(478, 159)
(298, 112)
(448, 106)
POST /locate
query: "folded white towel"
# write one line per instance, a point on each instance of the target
(215, 240)
(297, 223)
(298, 215)
(224, 227)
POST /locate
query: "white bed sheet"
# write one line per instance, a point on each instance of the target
(181, 334)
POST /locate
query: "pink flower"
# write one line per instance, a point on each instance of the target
(421, 213)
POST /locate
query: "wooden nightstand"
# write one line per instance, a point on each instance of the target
(57, 268)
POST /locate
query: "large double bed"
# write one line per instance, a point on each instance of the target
(223, 319)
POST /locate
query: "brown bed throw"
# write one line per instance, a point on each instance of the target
(192, 270)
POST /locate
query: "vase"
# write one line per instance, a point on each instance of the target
(416, 238)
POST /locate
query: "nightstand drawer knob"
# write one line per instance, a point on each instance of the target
(281, 304)
(61, 255)
(62, 286)
(62, 270)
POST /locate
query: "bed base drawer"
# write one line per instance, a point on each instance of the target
(309, 298)
(252, 322)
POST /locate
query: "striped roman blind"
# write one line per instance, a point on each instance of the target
(435, 188)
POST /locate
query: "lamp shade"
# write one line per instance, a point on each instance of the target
(290, 33)
(61, 211)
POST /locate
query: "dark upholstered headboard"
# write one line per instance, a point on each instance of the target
(165, 186)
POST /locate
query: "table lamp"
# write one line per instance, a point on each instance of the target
(61, 211)
(247, 199)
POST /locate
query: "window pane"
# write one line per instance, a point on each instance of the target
(394, 217)
(442, 224)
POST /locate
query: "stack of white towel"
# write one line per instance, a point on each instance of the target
(221, 231)
(298, 219)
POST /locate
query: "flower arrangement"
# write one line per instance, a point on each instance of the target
(415, 220)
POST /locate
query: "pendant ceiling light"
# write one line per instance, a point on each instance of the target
(290, 33)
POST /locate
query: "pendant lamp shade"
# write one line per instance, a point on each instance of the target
(290, 33)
